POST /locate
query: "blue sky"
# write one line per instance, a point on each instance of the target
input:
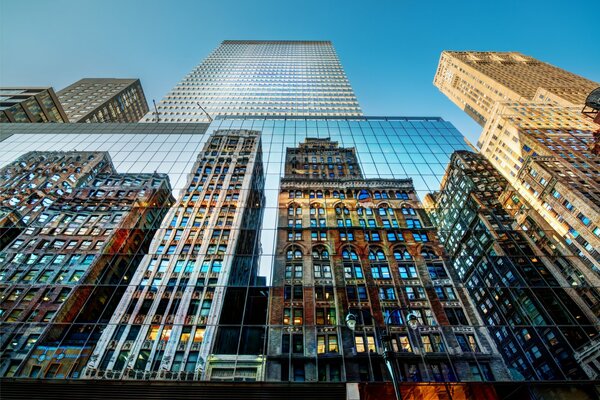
(389, 49)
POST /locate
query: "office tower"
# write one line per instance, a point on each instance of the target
(545, 154)
(166, 326)
(475, 81)
(64, 274)
(104, 100)
(33, 104)
(261, 78)
(539, 323)
(347, 245)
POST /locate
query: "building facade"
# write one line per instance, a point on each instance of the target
(104, 100)
(169, 322)
(365, 247)
(539, 322)
(63, 275)
(475, 81)
(261, 78)
(545, 153)
(32, 104)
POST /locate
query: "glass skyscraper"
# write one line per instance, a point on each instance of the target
(261, 78)
(286, 242)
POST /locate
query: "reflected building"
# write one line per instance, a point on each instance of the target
(104, 100)
(540, 324)
(366, 247)
(201, 271)
(545, 154)
(31, 104)
(277, 78)
(64, 273)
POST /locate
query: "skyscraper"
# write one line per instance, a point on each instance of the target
(545, 153)
(104, 100)
(476, 80)
(261, 78)
(167, 325)
(32, 104)
(538, 322)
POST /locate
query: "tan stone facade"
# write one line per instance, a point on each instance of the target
(475, 81)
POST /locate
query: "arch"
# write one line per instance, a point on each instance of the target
(363, 195)
(376, 254)
(294, 208)
(402, 254)
(428, 253)
(294, 252)
(349, 254)
(320, 252)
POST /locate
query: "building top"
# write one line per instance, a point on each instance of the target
(30, 104)
(104, 100)
(327, 42)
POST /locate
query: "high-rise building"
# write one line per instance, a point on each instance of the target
(261, 78)
(347, 245)
(545, 154)
(104, 100)
(476, 80)
(192, 311)
(539, 322)
(66, 271)
(32, 104)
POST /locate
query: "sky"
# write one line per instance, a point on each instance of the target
(389, 49)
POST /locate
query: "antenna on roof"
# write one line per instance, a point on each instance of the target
(207, 114)
(156, 111)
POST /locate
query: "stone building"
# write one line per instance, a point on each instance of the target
(366, 247)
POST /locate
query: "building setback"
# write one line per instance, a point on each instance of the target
(104, 100)
(350, 245)
(63, 275)
(30, 104)
(199, 273)
(476, 80)
(261, 78)
(538, 322)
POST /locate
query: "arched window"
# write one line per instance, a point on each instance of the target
(294, 253)
(294, 209)
(384, 195)
(298, 194)
(406, 266)
(336, 194)
(364, 195)
(321, 263)
(380, 268)
(377, 195)
(352, 268)
(402, 254)
(428, 254)
(319, 194)
(293, 266)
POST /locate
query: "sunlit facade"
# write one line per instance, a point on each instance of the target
(261, 78)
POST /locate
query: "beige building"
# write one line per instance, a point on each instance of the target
(544, 152)
(475, 81)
